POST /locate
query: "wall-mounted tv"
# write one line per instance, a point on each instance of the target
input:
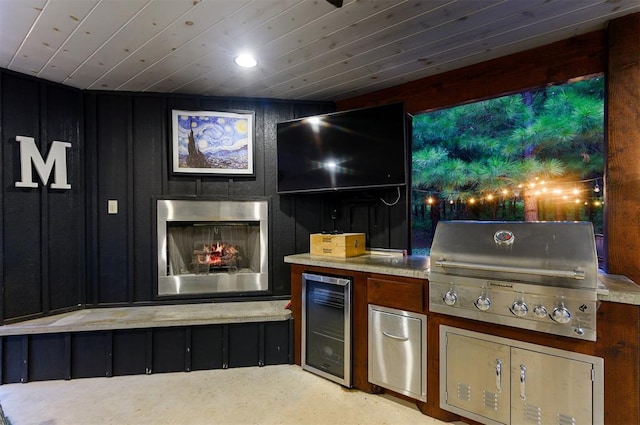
(356, 149)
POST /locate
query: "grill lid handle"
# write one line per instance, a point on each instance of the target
(572, 274)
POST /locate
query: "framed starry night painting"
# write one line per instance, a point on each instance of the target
(208, 142)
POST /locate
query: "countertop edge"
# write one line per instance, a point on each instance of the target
(611, 288)
(389, 265)
(619, 289)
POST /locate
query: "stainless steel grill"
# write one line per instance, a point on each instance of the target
(541, 276)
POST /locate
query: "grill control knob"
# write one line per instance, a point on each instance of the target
(483, 303)
(561, 315)
(450, 298)
(540, 311)
(519, 308)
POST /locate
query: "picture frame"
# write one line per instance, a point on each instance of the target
(213, 142)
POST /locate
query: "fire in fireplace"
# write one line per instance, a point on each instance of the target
(215, 256)
(212, 246)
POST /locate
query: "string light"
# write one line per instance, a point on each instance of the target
(537, 187)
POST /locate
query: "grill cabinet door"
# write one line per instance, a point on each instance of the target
(477, 378)
(548, 389)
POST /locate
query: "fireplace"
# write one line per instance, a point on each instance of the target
(211, 247)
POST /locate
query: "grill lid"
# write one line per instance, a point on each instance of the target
(559, 253)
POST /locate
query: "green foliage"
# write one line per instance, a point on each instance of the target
(498, 146)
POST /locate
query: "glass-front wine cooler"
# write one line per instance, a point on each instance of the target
(326, 326)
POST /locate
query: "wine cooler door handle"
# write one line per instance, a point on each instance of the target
(399, 338)
(498, 375)
(523, 382)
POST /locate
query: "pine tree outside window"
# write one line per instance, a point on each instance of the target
(537, 155)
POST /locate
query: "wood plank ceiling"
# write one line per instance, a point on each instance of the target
(306, 49)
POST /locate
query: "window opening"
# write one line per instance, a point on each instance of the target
(537, 155)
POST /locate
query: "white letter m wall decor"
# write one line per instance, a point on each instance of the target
(56, 158)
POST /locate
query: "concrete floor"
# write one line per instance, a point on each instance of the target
(282, 394)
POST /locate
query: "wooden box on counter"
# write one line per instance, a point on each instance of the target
(340, 245)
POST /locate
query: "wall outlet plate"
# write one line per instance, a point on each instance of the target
(112, 206)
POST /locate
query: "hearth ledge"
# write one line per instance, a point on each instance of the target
(111, 318)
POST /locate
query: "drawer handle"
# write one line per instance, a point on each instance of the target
(399, 338)
(523, 382)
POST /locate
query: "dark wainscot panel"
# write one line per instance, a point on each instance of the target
(70, 355)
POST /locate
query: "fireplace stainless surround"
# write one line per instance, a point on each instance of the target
(212, 246)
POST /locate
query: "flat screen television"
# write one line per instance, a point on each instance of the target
(356, 149)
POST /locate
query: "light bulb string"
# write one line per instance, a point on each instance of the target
(536, 188)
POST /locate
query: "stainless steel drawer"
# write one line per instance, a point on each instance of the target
(397, 351)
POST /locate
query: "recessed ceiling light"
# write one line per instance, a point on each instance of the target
(246, 61)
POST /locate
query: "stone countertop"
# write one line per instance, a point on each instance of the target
(110, 318)
(618, 289)
(392, 264)
(613, 288)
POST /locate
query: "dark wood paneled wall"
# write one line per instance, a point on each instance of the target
(129, 139)
(43, 243)
(61, 248)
